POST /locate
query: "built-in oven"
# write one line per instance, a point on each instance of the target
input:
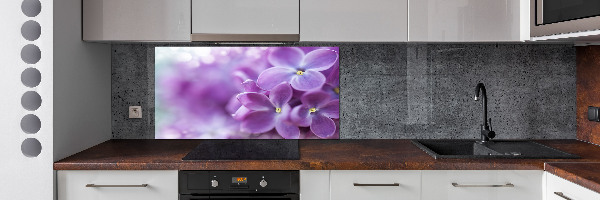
(554, 17)
(234, 185)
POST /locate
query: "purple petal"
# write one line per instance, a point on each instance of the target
(300, 116)
(255, 101)
(333, 78)
(281, 94)
(241, 113)
(331, 109)
(286, 129)
(322, 126)
(233, 105)
(315, 99)
(258, 122)
(308, 81)
(250, 86)
(286, 57)
(274, 76)
(319, 60)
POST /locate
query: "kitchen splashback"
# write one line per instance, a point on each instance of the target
(407, 90)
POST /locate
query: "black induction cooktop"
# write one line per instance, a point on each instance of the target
(245, 150)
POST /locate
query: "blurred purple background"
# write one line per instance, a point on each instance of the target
(198, 92)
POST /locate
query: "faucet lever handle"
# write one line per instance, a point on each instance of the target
(491, 124)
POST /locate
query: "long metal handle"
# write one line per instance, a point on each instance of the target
(94, 185)
(505, 185)
(560, 194)
(361, 184)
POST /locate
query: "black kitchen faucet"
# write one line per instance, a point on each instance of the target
(486, 129)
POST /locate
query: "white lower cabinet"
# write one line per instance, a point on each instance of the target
(375, 185)
(314, 184)
(482, 184)
(561, 189)
(117, 185)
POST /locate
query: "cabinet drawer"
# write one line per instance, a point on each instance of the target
(380, 185)
(482, 185)
(314, 185)
(117, 185)
(567, 189)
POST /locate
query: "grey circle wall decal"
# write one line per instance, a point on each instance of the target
(31, 77)
(31, 30)
(31, 147)
(31, 100)
(31, 54)
(30, 124)
(31, 8)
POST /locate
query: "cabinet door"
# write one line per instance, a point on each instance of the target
(354, 20)
(245, 17)
(468, 20)
(117, 185)
(314, 185)
(482, 184)
(136, 20)
(375, 185)
(561, 189)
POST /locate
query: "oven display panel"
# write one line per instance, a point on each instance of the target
(239, 180)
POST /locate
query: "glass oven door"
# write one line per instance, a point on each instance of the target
(554, 11)
(241, 197)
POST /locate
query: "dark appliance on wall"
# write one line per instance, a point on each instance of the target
(235, 185)
(554, 17)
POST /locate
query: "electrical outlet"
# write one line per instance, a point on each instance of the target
(135, 112)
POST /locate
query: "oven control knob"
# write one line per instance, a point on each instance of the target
(214, 183)
(263, 183)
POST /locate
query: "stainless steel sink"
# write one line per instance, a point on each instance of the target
(493, 149)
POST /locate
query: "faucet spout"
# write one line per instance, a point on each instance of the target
(486, 132)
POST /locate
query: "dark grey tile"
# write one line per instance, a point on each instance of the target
(408, 90)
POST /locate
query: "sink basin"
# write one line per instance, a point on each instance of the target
(495, 149)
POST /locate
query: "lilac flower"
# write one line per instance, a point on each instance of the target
(234, 106)
(317, 111)
(269, 112)
(332, 83)
(302, 71)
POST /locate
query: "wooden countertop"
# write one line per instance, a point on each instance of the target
(314, 155)
(581, 173)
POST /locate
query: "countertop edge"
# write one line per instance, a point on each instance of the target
(578, 179)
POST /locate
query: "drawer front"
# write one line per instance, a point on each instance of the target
(407, 185)
(161, 185)
(566, 190)
(314, 185)
(482, 184)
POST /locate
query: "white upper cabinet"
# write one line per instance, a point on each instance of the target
(136, 20)
(354, 20)
(244, 20)
(468, 20)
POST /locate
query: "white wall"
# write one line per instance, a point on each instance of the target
(82, 84)
(24, 177)
(75, 92)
